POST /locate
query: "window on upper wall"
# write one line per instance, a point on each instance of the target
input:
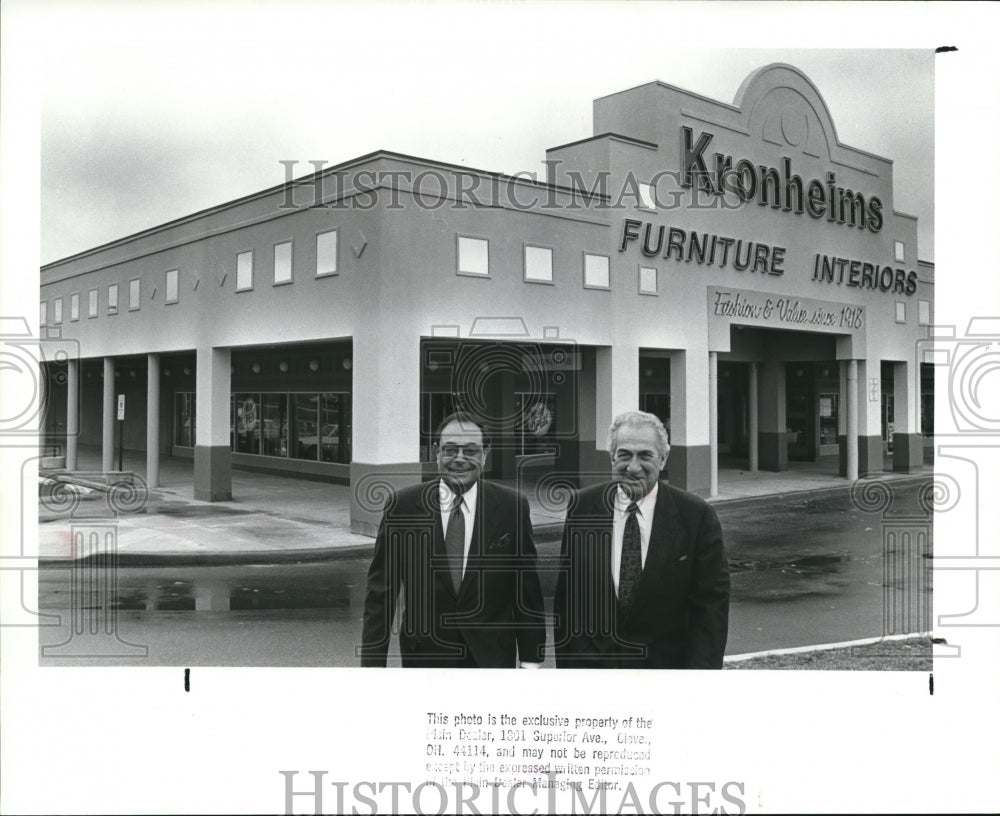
(900, 251)
(283, 262)
(537, 264)
(244, 271)
(112, 298)
(172, 286)
(596, 271)
(133, 294)
(326, 253)
(57, 311)
(43, 313)
(92, 303)
(647, 196)
(900, 312)
(473, 256)
(74, 306)
(647, 280)
(924, 312)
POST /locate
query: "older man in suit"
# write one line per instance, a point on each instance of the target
(643, 578)
(462, 550)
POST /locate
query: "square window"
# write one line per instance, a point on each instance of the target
(43, 313)
(92, 303)
(74, 306)
(647, 196)
(112, 298)
(473, 256)
(900, 251)
(647, 280)
(537, 264)
(171, 288)
(57, 311)
(244, 271)
(596, 272)
(326, 253)
(133, 294)
(924, 312)
(283, 262)
(900, 312)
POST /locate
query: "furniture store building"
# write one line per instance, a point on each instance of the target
(732, 268)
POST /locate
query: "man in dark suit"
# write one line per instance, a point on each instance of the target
(643, 579)
(462, 550)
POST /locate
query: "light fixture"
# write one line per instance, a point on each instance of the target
(255, 368)
(187, 371)
(314, 365)
(132, 372)
(647, 372)
(283, 366)
(798, 372)
(166, 372)
(348, 363)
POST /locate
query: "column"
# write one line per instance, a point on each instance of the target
(153, 420)
(72, 413)
(907, 443)
(386, 451)
(617, 386)
(713, 423)
(594, 465)
(852, 420)
(871, 458)
(108, 417)
(754, 421)
(773, 435)
(213, 470)
(690, 461)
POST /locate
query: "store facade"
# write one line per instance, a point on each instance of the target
(732, 268)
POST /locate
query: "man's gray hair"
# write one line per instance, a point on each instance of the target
(639, 418)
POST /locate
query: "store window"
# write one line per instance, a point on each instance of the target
(326, 253)
(596, 272)
(133, 294)
(172, 286)
(647, 280)
(92, 303)
(647, 196)
(244, 271)
(74, 306)
(473, 256)
(924, 312)
(184, 420)
(112, 298)
(310, 427)
(247, 423)
(537, 264)
(283, 262)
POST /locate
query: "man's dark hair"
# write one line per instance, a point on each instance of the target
(465, 418)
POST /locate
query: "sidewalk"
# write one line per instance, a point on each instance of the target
(282, 518)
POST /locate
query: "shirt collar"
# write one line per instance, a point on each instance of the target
(447, 495)
(646, 503)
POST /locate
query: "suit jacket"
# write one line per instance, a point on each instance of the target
(679, 617)
(497, 614)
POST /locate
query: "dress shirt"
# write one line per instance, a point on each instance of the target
(644, 515)
(469, 498)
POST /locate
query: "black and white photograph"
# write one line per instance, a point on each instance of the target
(370, 342)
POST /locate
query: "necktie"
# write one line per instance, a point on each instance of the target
(454, 542)
(631, 563)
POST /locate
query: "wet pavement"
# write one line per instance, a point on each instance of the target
(808, 569)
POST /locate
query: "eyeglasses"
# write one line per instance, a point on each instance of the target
(467, 451)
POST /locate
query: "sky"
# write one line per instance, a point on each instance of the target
(164, 109)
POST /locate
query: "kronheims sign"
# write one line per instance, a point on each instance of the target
(777, 187)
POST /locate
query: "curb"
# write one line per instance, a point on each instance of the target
(824, 647)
